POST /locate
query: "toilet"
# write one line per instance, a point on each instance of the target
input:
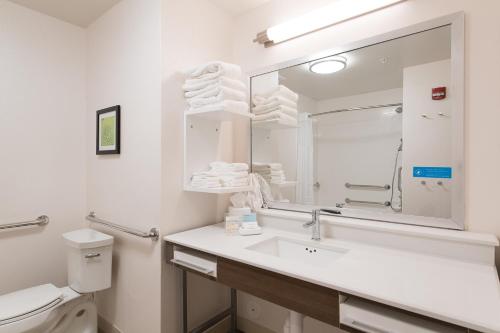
(48, 309)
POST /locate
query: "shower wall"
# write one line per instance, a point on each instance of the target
(358, 147)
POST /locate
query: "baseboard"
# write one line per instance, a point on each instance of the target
(105, 326)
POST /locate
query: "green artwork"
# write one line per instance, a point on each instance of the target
(108, 131)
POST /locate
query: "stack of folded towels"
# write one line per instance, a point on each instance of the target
(216, 86)
(280, 104)
(272, 172)
(221, 174)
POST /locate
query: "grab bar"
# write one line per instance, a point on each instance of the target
(153, 232)
(385, 187)
(363, 202)
(40, 221)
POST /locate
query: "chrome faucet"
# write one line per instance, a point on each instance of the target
(315, 223)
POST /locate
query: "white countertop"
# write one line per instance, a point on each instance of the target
(463, 293)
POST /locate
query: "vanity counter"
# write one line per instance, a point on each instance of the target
(459, 292)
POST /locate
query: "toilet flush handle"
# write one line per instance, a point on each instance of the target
(92, 255)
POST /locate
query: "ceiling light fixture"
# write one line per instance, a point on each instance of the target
(339, 11)
(328, 66)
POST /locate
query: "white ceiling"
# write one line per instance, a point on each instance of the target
(365, 71)
(78, 12)
(236, 7)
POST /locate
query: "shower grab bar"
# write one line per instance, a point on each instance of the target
(153, 233)
(39, 221)
(385, 187)
(363, 202)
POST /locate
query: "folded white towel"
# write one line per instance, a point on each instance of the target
(281, 108)
(239, 166)
(217, 95)
(225, 105)
(216, 69)
(276, 166)
(263, 104)
(280, 91)
(195, 85)
(285, 92)
(275, 115)
(235, 183)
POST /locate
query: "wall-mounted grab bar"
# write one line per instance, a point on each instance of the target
(40, 221)
(153, 233)
(385, 187)
(363, 202)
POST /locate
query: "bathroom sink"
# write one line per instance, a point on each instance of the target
(310, 253)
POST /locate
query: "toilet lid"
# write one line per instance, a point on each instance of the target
(24, 301)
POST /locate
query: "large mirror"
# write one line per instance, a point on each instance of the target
(372, 132)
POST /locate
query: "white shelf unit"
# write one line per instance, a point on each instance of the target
(220, 190)
(205, 135)
(288, 183)
(221, 115)
(274, 124)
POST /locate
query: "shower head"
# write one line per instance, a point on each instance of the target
(399, 109)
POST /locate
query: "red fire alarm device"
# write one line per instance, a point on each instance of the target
(438, 93)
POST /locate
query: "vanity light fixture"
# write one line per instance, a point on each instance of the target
(328, 66)
(338, 12)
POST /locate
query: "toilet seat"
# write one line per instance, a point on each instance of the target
(28, 302)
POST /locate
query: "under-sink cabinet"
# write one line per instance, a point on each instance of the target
(307, 298)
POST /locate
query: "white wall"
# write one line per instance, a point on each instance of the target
(42, 130)
(482, 76)
(426, 141)
(124, 67)
(357, 147)
(194, 32)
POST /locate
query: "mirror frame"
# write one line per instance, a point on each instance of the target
(456, 21)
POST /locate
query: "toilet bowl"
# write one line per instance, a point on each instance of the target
(48, 309)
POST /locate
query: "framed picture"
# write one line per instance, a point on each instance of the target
(108, 131)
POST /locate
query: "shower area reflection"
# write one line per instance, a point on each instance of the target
(352, 138)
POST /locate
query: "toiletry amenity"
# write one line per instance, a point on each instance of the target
(221, 174)
(280, 104)
(235, 216)
(249, 225)
(216, 86)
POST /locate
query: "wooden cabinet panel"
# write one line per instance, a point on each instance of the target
(309, 299)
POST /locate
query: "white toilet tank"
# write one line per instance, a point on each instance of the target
(89, 260)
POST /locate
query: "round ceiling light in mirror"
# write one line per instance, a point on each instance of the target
(329, 65)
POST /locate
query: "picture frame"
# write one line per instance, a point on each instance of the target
(108, 131)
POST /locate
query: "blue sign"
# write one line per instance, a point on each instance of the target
(432, 172)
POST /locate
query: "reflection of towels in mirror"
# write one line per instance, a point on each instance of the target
(272, 172)
(279, 104)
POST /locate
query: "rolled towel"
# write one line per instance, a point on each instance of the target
(216, 95)
(214, 69)
(226, 105)
(195, 85)
(280, 108)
